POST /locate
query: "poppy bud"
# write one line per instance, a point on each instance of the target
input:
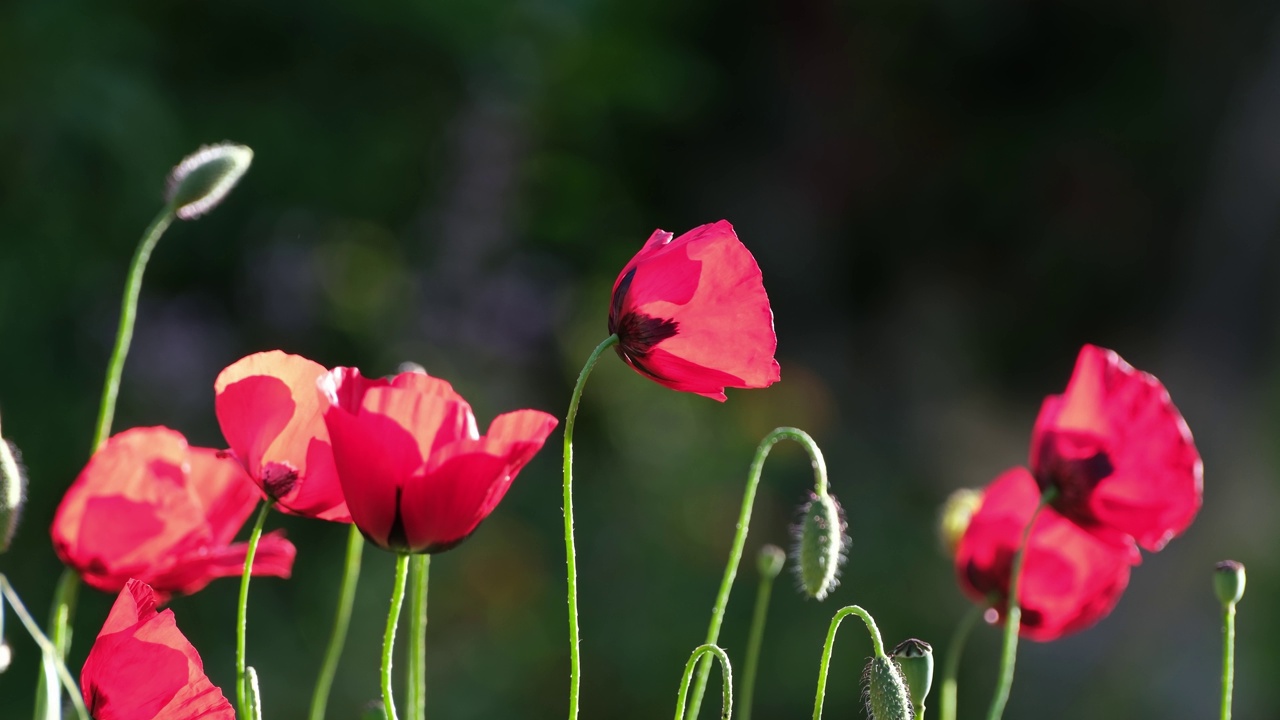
(13, 491)
(954, 518)
(915, 660)
(884, 690)
(770, 561)
(203, 178)
(820, 545)
(1228, 582)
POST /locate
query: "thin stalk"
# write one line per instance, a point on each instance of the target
(389, 637)
(341, 621)
(1013, 617)
(46, 647)
(571, 558)
(419, 574)
(63, 607)
(876, 645)
(1228, 659)
(726, 673)
(740, 539)
(951, 663)
(755, 638)
(242, 612)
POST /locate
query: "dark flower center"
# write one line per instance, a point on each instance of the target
(1074, 466)
(637, 333)
(278, 479)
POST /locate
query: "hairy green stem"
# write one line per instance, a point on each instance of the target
(951, 663)
(740, 539)
(341, 621)
(877, 647)
(726, 672)
(1013, 616)
(389, 637)
(47, 648)
(419, 573)
(571, 558)
(242, 611)
(1228, 659)
(755, 638)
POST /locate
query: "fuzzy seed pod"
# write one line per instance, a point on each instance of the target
(884, 691)
(820, 545)
(204, 178)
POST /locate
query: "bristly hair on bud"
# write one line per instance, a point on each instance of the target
(884, 691)
(13, 491)
(820, 545)
(203, 178)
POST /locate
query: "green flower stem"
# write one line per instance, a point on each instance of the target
(48, 702)
(571, 558)
(951, 664)
(740, 538)
(255, 695)
(341, 621)
(242, 701)
(389, 637)
(1013, 617)
(1228, 659)
(876, 645)
(755, 637)
(48, 650)
(419, 573)
(726, 672)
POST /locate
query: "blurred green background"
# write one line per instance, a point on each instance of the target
(946, 198)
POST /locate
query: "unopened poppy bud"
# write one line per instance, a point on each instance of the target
(770, 561)
(954, 518)
(13, 491)
(1228, 582)
(884, 690)
(915, 659)
(203, 178)
(820, 545)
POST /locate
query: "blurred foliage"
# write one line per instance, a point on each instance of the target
(946, 199)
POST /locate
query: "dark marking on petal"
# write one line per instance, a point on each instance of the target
(397, 537)
(1074, 479)
(278, 479)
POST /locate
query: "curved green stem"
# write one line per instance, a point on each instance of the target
(242, 699)
(740, 538)
(341, 621)
(47, 648)
(754, 640)
(1013, 616)
(419, 571)
(726, 672)
(1228, 659)
(876, 645)
(389, 637)
(571, 558)
(951, 663)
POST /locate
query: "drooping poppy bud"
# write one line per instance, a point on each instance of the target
(915, 660)
(417, 475)
(820, 545)
(1228, 582)
(13, 491)
(884, 690)
(204, 178)
(142, 667)
(691, 313)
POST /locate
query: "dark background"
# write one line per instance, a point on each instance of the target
(946, 198)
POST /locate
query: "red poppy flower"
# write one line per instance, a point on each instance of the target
(141, 666)
(1071, 578)
(147, 506)
(272, 417)
(417, 475)
(691, 313)
(1118, 452)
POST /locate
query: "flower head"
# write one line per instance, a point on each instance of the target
(1118, 452)
(1071, 578)
(141, 667)
(692, 314)
(417, 475)
(272, 417)
(150, 507)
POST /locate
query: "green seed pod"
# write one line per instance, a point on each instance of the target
(820, 545)
(13, 491)
(1228, 582)
(884, 691)
(203, 178)
(770, 561)
(954, 518)
(915, 659)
